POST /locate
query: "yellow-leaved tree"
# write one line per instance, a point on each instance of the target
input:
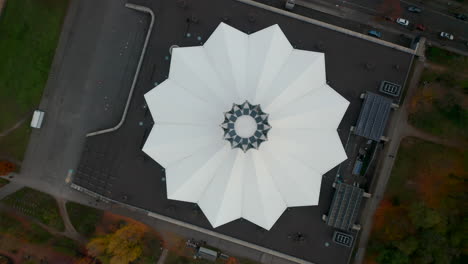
(121, 247)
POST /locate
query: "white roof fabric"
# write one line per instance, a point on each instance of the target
(188, 108)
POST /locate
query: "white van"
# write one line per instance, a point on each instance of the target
(37, 119)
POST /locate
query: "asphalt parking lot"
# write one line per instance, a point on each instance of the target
(114, 166)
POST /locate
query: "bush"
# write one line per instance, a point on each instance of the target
(66, 246)
(8, 224)
(38, 235)
(38, 205)
(6, 167)
(84, 218)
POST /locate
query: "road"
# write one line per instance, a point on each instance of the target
(436, 19)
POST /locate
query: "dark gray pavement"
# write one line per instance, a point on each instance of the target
(114, 166)
(88, 85)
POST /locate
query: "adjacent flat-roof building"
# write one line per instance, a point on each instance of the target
(373, 117)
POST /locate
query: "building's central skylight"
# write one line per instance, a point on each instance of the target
(245, 126)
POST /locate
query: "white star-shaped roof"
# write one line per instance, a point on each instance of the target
(191, 108)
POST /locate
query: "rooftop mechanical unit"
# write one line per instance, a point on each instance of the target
(390, 88)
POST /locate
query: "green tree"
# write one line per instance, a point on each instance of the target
(392, 256)
(423, 217)
(408, 246)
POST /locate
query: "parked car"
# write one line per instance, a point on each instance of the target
(420, 27)
(446, 35)
(402, 21)
(389, 18)
(374, 33)
(461, 17)
(414, 9)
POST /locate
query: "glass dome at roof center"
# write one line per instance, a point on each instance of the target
(245, 126)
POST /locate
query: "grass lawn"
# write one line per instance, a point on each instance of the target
(421, 218)
(14, 144)
(38, 205)
(20, 237)
(444, 57)
(29, 32)
(3, 182)
(440, 106)
(30, 232)
(65, 245)
(84, 218)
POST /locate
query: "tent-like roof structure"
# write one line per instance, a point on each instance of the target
(245, 126)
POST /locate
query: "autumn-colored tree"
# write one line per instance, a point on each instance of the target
(6, 167)
(85, 260)
(121, 247)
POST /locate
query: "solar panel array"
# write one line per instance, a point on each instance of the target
(373, 116)
(345, 206)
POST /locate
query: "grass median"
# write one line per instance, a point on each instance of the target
(440, 105)
(422, 216)
(29, 32)
(38, 205)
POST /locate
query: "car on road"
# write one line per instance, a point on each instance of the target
(414, 9)
(402, 21)
(446, 35)
(420, 27)
(461, 17)
(374, 33)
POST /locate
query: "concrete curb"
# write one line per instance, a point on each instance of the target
(193, 227)
(137, 72)
(228, 238)
(328, 26)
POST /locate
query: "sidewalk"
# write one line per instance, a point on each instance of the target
(396, 126)
(163, 256)
(2, 5)
(9, 189)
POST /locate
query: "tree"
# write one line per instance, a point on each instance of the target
(424, 217)
(98, 246)
(6, 167)
(392, 256)
(122, 247)
(407, 246)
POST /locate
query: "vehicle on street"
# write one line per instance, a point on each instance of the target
(37, 119)
(374, 33)
(402, 21)
(461, 17)
(414, 9)
(389, 18)
(420, 27)
(446, 35)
